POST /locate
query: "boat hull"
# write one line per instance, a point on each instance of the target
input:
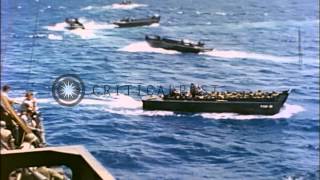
(74, 27)
(146, 22)
(240, 107)
(166, 44)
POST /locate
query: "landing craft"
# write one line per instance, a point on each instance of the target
(73, 24)
(263, 103)
(185, 46)
(129, 22)
(126, 2)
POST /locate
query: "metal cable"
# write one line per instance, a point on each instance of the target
(34, 36)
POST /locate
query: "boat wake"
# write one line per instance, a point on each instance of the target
(154, 25)
(286, 112)
(231, 54)
(145, 47)
(90, 31)
(125, 105)
(115, 6)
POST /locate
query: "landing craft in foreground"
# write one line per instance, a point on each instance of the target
(73, 23)
(264, 103)
(129, 22)
(177, 45)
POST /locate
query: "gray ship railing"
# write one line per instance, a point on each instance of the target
(82, 164)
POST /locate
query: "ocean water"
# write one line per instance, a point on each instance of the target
(255, 47)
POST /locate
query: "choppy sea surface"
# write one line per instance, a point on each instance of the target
(255, 47)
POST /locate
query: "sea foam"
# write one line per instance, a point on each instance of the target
(90, 31)
(248, 55)
(114, 6)
(145, 47)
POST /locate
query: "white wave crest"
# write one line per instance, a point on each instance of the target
(248, 55)
(286, 112)
(55, 37)
(37, 36)
(115, 6)
(145, 47)
(88, 8)
(221, 13)
(127, 6)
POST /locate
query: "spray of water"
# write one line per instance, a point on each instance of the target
(145, 47)
(90, 31)
(229, 54)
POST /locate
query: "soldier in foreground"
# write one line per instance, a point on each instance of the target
(11, 123)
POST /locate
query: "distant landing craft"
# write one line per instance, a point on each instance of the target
(126, 2)
(128, 22)
(73, 23)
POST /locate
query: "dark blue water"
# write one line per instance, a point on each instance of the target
(255, 48)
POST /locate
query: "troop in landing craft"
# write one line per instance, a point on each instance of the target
(197, 100)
